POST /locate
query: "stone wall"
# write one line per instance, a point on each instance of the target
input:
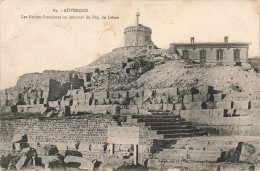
(90, 132)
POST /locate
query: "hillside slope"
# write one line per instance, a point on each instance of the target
(120, 55)
(255, 63)
(234, 81)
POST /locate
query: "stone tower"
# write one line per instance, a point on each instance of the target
(138, 35)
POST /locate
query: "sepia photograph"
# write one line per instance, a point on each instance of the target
(130, 85)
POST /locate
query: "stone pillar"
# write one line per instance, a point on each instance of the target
(135, 154)
(33, 160)
(112, 148)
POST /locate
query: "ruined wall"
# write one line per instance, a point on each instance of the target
(33, 79)
(90, 132)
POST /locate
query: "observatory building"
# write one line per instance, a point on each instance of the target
(230, 53)
(138, 35)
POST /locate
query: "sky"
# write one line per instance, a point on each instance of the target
(35, 45)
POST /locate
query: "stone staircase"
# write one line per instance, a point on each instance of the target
(203, 153)
(179, 144)
(166, 125)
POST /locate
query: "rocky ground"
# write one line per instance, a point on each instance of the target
(238, 82)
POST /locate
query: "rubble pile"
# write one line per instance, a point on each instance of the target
(224, 78)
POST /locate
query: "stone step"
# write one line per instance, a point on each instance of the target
(158, 111)
(177, 135)
(205, 144)
(173, 131)
(161, 113)
(168, 127)
(160, 119)
(211, 166)
(184, 154)
(183, 135)
(155, 116)
(164, 143)
(167, 123)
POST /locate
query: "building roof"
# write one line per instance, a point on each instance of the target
(212, 44)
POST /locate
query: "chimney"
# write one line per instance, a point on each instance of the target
(192, 39)
(226, 39)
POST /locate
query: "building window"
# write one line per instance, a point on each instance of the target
(203, 55)
(185, 54)
(237, 55)
(219, 54)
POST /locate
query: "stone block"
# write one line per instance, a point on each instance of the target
(155, 107)
(187, 106)
(255, 104)
(144, 111)
(154, 163)
(184, 92)
(45, 100)
(112, 162)
(157, 100)
(246, 120)
(53, 103)
(218, 97)
(229, 112)
(114, 94)
(88, 95)
(216, 113)
(187, 99)
(73, 152)
(47, 159)
(18, 138)
(136, 101)
(178, 106)
(201, 116)
(255, 129)
(233, 121)
(223, 105)
(201, 155)
(123, 94)
(111, 109)
(172, 91)
(168, 107)
(256, 121)
(196, 105)
(250, 152)
(21, 162)
(27, 101)
(84, 147)
(100, 95)
(219, 121)
(79, 97)
(241, 104)
(134, 93)
(206, 89)
(32, 102)
(130, 110)
(209, 105)
(200, 97)
(148, 93)
(239, 121)
(243, 112)
(186, 114)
